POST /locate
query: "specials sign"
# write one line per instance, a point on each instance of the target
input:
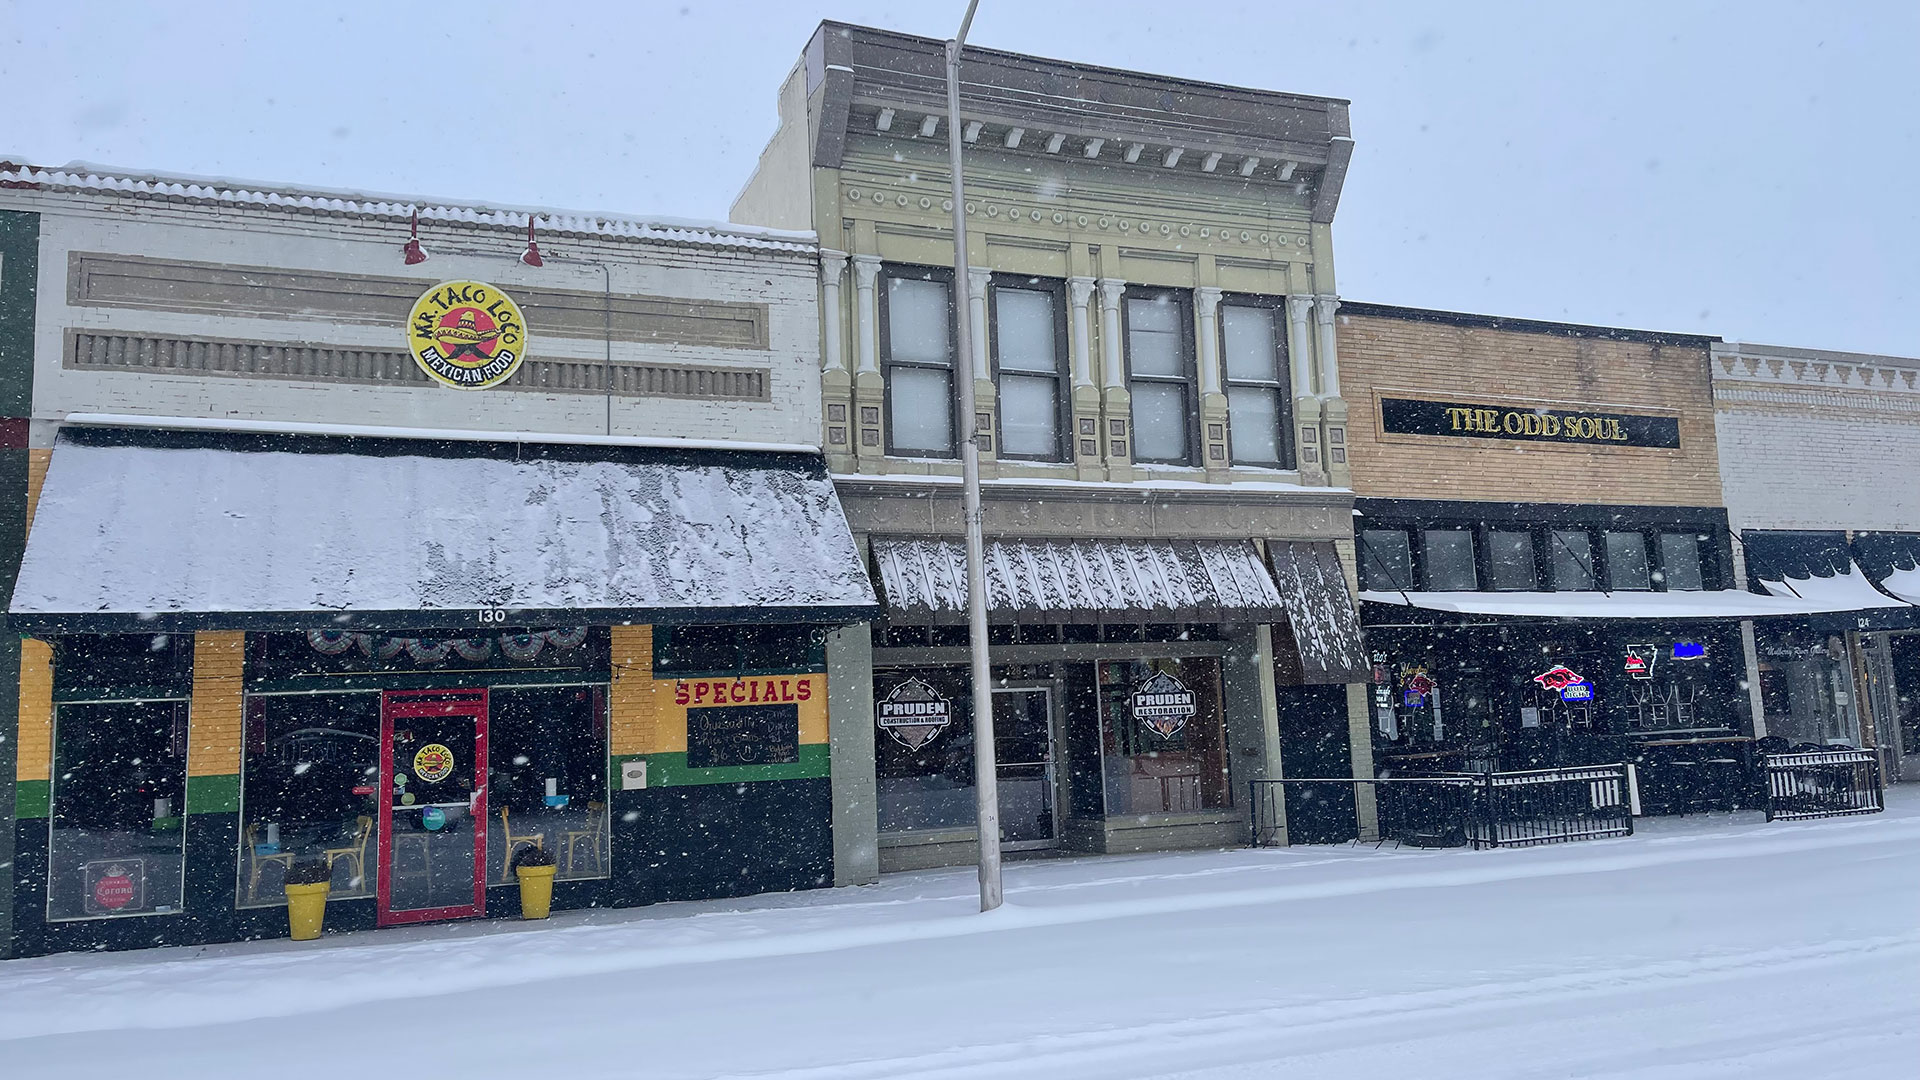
(467, 334)
(1557, 424)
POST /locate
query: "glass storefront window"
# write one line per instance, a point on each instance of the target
(1680, 561)
(1163, 735)
(1627, 566)
(547, 769)
(1449, 554)
(312, 770)
(1510, 561)
(1806, 688)
(923, 750)
(1386, 560)
(119, 809)
(1572, 560)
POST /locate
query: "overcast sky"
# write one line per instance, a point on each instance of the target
(1743, 169)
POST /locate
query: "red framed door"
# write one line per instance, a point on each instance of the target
(433, 809)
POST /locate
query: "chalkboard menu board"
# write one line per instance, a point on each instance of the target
(743, 735)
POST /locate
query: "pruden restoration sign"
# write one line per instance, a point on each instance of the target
(1542, 423)
(467, 334)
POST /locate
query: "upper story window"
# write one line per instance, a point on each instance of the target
(1449, 560)
(1680, 563)
(916, 321)
(1573, 568)
(1386, 560)
(1510, 560)
(1512, 556)
(1253, 355)
(1029, 350)
(1627, 566)
(1160, 375)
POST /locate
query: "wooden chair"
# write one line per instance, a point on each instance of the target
(511, 841)
(594, 834)
(356, 852)
(256, 861)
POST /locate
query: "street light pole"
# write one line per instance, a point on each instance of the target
(986, 778)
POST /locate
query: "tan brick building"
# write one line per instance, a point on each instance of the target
(1547, 574)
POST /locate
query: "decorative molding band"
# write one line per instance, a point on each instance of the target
(1732, 402)
(1126, 225)
(156, 355)
(1810, 373)
(95, 279)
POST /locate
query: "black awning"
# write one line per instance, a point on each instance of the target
(142, 530)
(1322, 622)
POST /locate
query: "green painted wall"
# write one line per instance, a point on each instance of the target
(19, 286)
(670, 770)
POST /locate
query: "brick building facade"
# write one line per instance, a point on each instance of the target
(287, 597)
(1817, 453)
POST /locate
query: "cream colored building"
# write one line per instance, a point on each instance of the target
(1152, 302)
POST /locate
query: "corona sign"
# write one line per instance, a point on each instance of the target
(467, 334)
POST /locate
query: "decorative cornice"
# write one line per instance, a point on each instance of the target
(1818, 373)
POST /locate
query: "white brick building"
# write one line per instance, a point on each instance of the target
(1818, 457)
(163, 296)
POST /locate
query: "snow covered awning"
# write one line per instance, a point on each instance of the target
(924, 581)
(1321, 616)
(1816, 596)
(142, 529)
(1904, 583)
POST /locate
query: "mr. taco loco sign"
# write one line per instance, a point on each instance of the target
(467, 334)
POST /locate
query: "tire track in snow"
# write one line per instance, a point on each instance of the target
(1133, 1050)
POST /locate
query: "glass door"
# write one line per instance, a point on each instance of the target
(1023, 746)
(433, 805)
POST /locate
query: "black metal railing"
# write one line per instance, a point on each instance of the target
(1823, 783)
(1510, 809)
(1551, 806)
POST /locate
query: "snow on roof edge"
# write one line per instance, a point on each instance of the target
(81, 176)
(295, 427)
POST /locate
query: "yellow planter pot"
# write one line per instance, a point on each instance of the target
(536, 890)
(306, 908)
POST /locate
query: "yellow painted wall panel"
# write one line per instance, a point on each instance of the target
(35, 760)
(37, 462)
(216, 721)
(630, 697)
(649, 716)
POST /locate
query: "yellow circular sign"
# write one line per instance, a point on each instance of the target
(433, 763)
(467, 334)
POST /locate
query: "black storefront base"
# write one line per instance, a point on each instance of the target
(697, 842)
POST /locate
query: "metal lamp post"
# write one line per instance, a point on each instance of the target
(986, 779)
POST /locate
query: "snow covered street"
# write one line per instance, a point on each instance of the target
(1701, 947)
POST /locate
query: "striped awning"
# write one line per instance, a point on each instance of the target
(924, 581)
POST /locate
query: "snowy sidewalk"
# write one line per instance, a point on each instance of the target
(1682, 951)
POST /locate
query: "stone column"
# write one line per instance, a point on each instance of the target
(856, 812)
(1213, 401)
(1116, 405)
(1750, 654)
(1086, 395)
(1333, 408)
(836, 381)
(1306, 405)
(985, 393)
(869, 390)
